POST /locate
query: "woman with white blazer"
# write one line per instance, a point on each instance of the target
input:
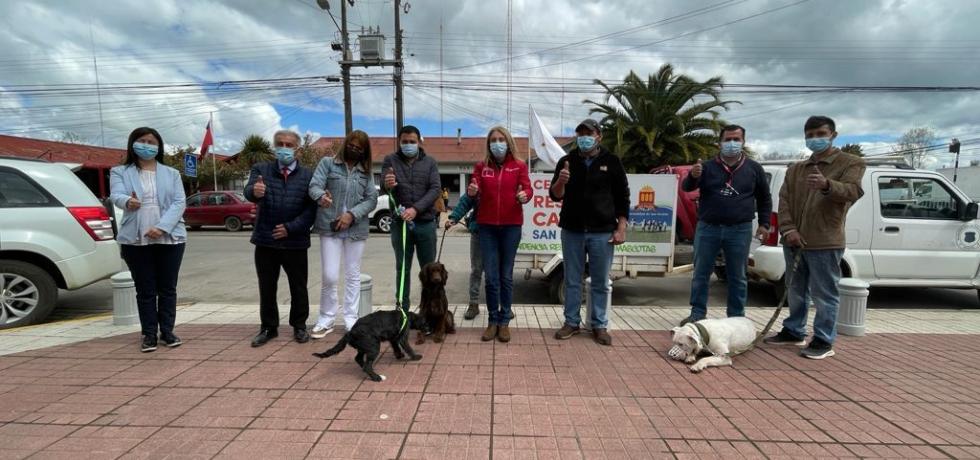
(151, 233)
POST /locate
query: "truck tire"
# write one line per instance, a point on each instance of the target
(27, 293)
(556, 286)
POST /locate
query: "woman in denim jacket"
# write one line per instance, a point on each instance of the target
(343, 187)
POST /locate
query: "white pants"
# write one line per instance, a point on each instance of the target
(335, 252)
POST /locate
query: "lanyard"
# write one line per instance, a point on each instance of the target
(730, 171)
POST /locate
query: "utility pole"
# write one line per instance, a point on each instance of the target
(954, 147)
(510, 58)
(399, 65)
(345, 69)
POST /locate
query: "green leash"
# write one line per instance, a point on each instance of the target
(401, 278)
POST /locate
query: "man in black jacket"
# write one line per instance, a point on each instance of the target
(591, 184)
(734, 189)
(281, 235)
(413, 178)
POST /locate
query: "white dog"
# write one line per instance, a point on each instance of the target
(722, 338)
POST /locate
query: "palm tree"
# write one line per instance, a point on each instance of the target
(255, 149)
(667, 119)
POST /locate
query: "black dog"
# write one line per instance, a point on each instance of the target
(434, 306)
(368, 333)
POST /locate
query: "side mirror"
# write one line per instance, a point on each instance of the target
(968, 212)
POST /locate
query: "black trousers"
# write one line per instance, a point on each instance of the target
(268, 261)
(154, 269)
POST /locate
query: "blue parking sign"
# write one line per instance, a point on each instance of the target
(190, 165)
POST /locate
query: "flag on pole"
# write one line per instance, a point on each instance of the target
(207, 142)
(547, 148)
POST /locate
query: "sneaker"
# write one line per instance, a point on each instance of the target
(503, 334)
(320, 332)
(472, 311)
(170, 340)
(148, 344)
(784, 338)
(489, 333)
(818, 349)
(566, 332)
(601, 336)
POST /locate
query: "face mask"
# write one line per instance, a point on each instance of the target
(352, 155)
(585, 143)
(285, 155)
(731, 149)
(410, 150)
(145, 151)
(818, 144)
(499, 150)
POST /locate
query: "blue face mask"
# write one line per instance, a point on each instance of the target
(410, 150)
(498, 150)
(818, 144)
(285, 155)
(731, 149)
(145, 151)
(585, 143)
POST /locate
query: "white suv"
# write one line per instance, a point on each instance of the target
(381, 216)
(911, 228)
(54, 233)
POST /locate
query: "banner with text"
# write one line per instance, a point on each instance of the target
(650, 232)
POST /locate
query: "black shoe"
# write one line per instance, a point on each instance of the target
(818, 349)
(511, 315)
(170, 340)
(301, 335)
(472, 311)
(148, 344)
(784, 338)
(264, 336)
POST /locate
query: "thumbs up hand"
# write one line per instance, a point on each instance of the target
(259, 188)
(390, 181)
(326, 200)
(473, 189)
(564, 174)
(697, 169)
(521, 195)
(133, 203)
(816, 180)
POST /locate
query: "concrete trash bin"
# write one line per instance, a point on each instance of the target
(853, 306)
(587, 318)
(124, 308)
(365, 306)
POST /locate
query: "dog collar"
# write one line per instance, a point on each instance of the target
(703, 332)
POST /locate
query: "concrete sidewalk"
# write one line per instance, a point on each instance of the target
(907, 390)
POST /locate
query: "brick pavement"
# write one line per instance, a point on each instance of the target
(895, 395)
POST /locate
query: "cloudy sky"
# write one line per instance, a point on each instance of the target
(47, 73)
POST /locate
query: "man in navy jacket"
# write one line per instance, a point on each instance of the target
(734, 191)
(281, 235)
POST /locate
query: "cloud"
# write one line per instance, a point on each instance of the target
(867, 43)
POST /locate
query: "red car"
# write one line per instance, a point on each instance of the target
(228, 209)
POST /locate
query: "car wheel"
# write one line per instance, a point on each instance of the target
(233, 224)
(27, 293)
(195, 227)
(384, 223)
(556, 286)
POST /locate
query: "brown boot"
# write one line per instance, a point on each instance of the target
(503, 334)
(490, 333)
(472, 311)
(601, 336)
(566, 332)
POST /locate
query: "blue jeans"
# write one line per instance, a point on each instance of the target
(816, 277)
(498, 243)
(735, 241)
(575, 247)
(155, 268)
(422, 241)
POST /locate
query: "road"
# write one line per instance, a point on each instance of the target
(218, 268)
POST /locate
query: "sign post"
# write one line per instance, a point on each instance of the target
(190, 165)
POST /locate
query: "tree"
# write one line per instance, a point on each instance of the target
(667, 119)
(71, 137)
(255, 149)
(205, 171)
(914, 145)
(309, 155)
(853, 149)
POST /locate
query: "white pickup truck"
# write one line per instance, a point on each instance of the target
(649, 247)
(912, 228)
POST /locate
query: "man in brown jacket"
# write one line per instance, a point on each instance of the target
(813, 203)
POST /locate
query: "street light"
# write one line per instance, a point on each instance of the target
(954, 147)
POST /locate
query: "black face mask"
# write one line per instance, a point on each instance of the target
(352, 155)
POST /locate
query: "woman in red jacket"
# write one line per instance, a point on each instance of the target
(501, 181)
